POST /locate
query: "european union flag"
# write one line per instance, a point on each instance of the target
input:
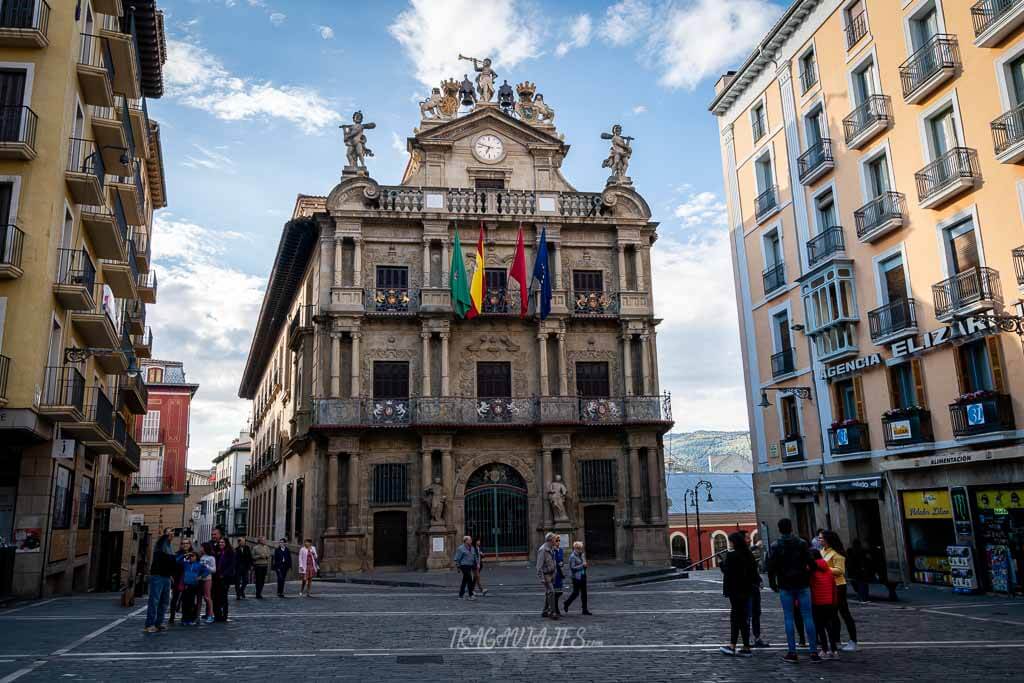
(542, 275)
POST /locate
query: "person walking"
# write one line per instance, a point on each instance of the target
(739, 578)
(160, 573)
(209, 561)
(243, 565)
(546, 569)
(478, 553)
(309, 565)
(177, 585)
(223, 578)
(823, 606)
(193, 571)
(754, 604)
(282, 564)
(465, 562)
(578, 571)
(834, 555)
(260, 565)
(789, 575)
(559, 583)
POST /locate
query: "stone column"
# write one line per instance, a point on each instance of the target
(635, 491)
(444, 364)
(426, 263)
(353, 492)
(654, 477)
(356, 364)
(638, 257)
(645, 357)
(569, 479)
(448, 480)
(627, 362)
(445, 263)
(653, 343)
(556, 250)
(426, 477)
(425, 389)
(332, 493)
(542, 346)
(622, 267)
(357, 263)
(335, 365)
(338, 253)
(546, 478)
(563, 368)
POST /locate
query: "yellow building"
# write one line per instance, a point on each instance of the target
(80, 176)
(870, 151)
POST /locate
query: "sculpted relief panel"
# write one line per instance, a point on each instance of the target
(409, 255)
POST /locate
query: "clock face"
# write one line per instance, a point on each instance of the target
(488, 147)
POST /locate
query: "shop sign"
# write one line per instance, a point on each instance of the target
(1000, 498)
(961, 503)
(932, 504)
(799, 487)
(867, 484)
(900, 430)
(792, 449)
(969, 326)
(961, 567)
(952, 459)
(850, 367)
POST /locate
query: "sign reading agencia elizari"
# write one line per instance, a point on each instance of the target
(968, 327)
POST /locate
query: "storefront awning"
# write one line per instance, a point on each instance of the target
(867, 483)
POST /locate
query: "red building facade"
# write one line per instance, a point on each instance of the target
(163, 432)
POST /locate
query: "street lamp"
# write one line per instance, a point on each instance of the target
(693, 497)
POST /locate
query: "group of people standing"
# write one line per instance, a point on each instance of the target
(811, 583)
(469, 559)
(550, 571)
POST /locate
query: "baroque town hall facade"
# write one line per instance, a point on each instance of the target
(385, 428)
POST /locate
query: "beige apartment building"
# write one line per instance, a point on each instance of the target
(871, 154)
(80, 176)
(385, 428)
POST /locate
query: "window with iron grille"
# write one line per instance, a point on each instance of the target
(391, 379)
(592, 379)
(597, 479)
(288, 512)
(494, 380)
(390, 484)
(392, 277)
(300, 487)
(587, 281)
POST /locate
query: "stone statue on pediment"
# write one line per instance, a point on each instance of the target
(355, 141)
(435, 499)
(556, 498)
(618, 155)
(485, 77)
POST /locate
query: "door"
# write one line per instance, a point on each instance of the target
(867, 529)
(764, 175)
(812, 126)
(496, 510)
(1017, 78)
(390, 539)
(495, 286)
(599, 531)
(805, 525)
(12, 97)
(494, 379)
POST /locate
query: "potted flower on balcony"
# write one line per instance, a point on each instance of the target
(899, 413)
(976, 396)
(848, 422)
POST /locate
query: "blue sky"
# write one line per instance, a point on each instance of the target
(256, 89)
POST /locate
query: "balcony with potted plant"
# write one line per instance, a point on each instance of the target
(979, 413)
(849, 437)
(907, 426)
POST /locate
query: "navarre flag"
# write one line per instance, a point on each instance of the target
(541, 275)
(476, 285)
(458, 281)
(517, 272)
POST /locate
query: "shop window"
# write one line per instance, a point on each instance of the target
(592, 380)
(62, 498)
(929, 523)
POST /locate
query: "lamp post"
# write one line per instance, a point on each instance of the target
(696, 505)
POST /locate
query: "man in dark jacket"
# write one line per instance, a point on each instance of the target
(282, 564)
(789, 574)
(224, 576)
(243, 565)
(160, 573)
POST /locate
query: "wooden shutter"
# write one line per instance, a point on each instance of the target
(896, 283)
(965, 251)
(858, 395)
(894, 387)
(996, 361)
(918, 370)
(958, 362)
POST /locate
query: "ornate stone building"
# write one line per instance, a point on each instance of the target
(385, 427)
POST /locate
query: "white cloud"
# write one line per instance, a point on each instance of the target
(209, 159)
(277, 18)
(700, 38)
(197, 78)
(579, 35)
(434, 33)
(640, 109)
(704, 209)
(326, 32)
(398, 144)
(625, 21)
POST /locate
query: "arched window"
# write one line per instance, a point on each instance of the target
(679, 545)
(719, 543)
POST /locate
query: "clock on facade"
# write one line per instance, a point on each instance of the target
(488, 147)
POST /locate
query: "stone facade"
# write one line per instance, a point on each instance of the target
(344, 452)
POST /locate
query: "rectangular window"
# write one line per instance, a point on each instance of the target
(813, 128)
(808, 71)
(758, 121)
(288, 498)
(592, 380)
(781, 333)
(495, 286)
(878, 175)
(790, 417)
(300, 489)
(151, 426)
(942, 133)
(924, 27)
(825, 211)
(391, 484)
(906, 385)
(390, 379)
(855, 20)
(585, 281)
(849, 399)
(1016, 69)
(392, 277)
(772, 249)
(763, 169)
(597, 480)
(62, 498)
(894, 279)
(494, 379)
(489, 183)
(979, 366)
(963, 248)
(864, 83)
(85, 503)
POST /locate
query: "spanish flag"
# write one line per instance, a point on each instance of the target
(476, 285)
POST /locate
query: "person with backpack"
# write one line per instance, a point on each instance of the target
(823, 606)
(160, 573)
(789, 574)
(739, 580)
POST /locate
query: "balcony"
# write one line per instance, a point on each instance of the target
(783, 363)
(895, 320)
(501, 303)
(96, 71)
(994, 20)
(595, 304)
(63, 393)
(301, 324)
(855, 29)
(96, 325)
(138, 113)
(24, 23)
(118, 444)
(773, 277)
(5, 372)
(849, 438)
(132, 453)
(143, 343)
(157, 484)
(880, 216)
(816, 161)
(391, 301)
(982, 413)
(825, 246)
(140, 236)
(1008, 135)
(12, 241)
(949, 176)
(131, 193)
(110, 128)
(1018, 265)
(85, 173)
(75, 281)
(122, 275)
(973, 290)
(136, 313)
(134, 393)
(119, 32)
(927, 69)
(96, 426)
(766, 203)
(792, 449)
(399, 199)
(870, 118)
(151, 435)
(147, 287)
(907, 427)
(808, 77)
(18, 126)
(107, 229)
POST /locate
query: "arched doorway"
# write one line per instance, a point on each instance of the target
(497, 510)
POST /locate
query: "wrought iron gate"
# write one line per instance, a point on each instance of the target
(497, 510)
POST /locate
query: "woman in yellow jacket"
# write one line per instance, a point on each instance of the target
(835, 555)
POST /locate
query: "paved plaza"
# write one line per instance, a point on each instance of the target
(651, 632)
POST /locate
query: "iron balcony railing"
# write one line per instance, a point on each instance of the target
(759, 127)
(941, 52)
(97, 408)
(147, 280)
(975, 286)
(1018, 264)
(461, 200)
(957, 164)
(132, 452)
(849, 438)
(783, 362)
(84, 157)
(392, 300)
(134, 176)
(825, 245)
(18, 125)
(1008, 129)
(120, 435)
(136, 311)
(63, 385)
(75, 268)
(989, 412)
(765, 202)
(12, 241)
(986, 13)
(856, 28)
(774, 277)
(808, 77)
(95, 52)
(151, 484)
(907, 427)
(892, 318)
(874, 109)
(879, 211)
(501, 302)
(595, 302)
(5, 371)
(816, 156)
(22, 14)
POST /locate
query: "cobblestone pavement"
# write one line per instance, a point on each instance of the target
(645, 633)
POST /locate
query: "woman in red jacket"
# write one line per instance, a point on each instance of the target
(823, 607)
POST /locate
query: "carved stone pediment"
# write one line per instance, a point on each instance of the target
(625, 202)
(493, 343)
(493, 118)
(352, 194)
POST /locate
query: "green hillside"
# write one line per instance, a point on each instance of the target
(689, 451)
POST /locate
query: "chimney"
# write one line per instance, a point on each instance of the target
(724, 81)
